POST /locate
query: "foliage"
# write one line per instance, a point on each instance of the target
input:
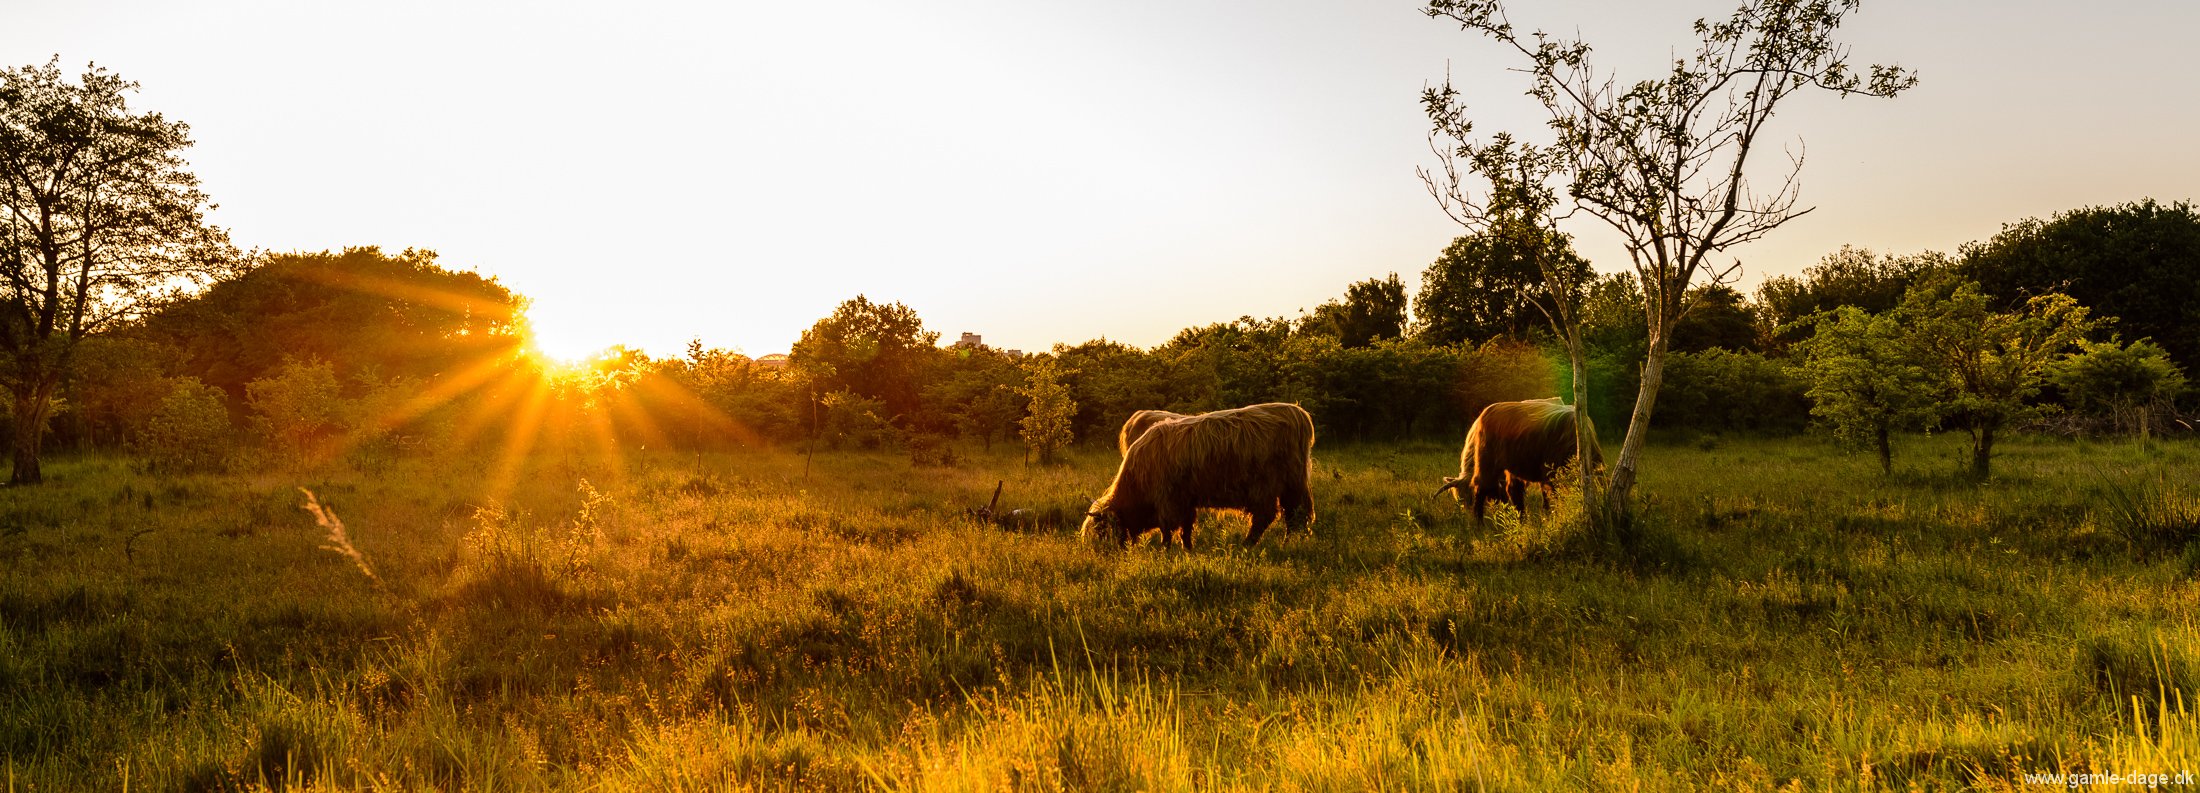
(103, 218)
(975, 395)
(713, 398)
(300, 405)
(371, 316)
(2138, 262)
(1661, 161)
(875, 350)
(1991, 362)
(1726, 391)
(1373, 310)
(118, 380)
(2122, 380)
(1612, 321)
(1110, 380)
(1718, 318)
(1046, 422)
(1851, 276)
(855, 420)
(188, 431)
(1865, 380)
(1484, 286)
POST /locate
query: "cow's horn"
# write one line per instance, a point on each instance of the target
(1448, 484)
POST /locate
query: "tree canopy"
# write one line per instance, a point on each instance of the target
(369, 315)
(2137, 262)
(1372, 310)
(874, 350)
(100, 218)
(1484, 286)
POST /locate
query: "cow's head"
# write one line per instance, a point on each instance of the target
(1120, 520)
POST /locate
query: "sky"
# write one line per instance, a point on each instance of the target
(1039, 171)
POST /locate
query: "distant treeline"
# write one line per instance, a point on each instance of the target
(362, 352)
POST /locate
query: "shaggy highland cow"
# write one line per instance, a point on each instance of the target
(1137, 425)
(1512, 445)
(1255, 459)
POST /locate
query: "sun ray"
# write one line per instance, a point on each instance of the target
(520, 437)
(444, 390)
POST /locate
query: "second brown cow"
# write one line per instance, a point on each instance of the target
(1513, 445)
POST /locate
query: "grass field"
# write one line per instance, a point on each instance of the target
(1781, 616)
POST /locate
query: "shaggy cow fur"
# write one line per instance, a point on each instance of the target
(1137, 425)
(1254, 459)
(1512, 445)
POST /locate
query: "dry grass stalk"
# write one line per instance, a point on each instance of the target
(339, 541)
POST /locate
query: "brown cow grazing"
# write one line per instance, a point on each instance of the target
(1137, 425)
(1512, 445)
(1255, 459)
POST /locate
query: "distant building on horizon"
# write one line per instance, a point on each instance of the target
(973, 341)
(777, 360)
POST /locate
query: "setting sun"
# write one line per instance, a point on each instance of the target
(566, 341)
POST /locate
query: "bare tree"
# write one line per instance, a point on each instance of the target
(99, 219)
(1663, 161)
(1510, 197)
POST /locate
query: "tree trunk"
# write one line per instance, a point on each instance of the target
(29, 415)
(1638, 426)
(1982, 452)
(1584, 433)
(1886, 453)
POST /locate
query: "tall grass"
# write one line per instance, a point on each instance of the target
(1781, 615)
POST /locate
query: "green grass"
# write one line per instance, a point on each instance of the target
(1782, 615)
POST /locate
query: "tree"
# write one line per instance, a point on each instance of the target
(102, 218)
(1991, 362)
(975, 394)
(370, 315)
(2138, 262)
(1718, 318)
(1851, 276)
(1484, 286)
(874, 350)
(1109, 380)
(118, 381)
(1516, 204)
(1662, 161)
(188, 430)
(300, 404)
(2123, 380)
(1373, 310)
(1865, 383)
(1046, 426)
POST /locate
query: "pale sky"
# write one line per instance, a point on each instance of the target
(1031, 170)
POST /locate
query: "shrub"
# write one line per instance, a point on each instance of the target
(1731, 391)
(299, 404)
(189, 431)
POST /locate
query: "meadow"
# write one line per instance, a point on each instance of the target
(1780, 615)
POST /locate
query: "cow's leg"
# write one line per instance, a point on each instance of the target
(1298, 507)
(1184, 532)
(1516, 494)
(1261, 518)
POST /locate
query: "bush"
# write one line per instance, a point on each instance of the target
(1731, 391)
(300, 405)
(190, 429)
